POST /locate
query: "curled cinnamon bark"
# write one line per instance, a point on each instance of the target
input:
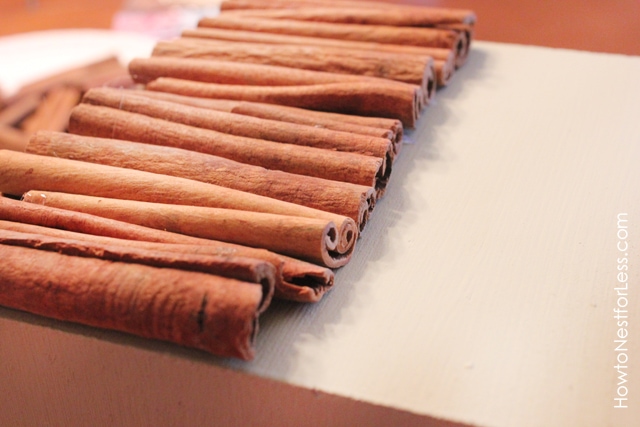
(106, 122)
(211, 313)
(239, 268)
(295, 279)
(20, 172)
(444, 59)
(310, 239)
(236, 124)
(371, 126)
(363, 12)
(427, 37)
(417, 70)
(356, 98)
(354, 201)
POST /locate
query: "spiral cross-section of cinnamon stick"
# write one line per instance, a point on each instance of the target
(20, 172)
(295, 279)
(352, 200)
(306, 238)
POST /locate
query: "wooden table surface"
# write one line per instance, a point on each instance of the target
(592, 25)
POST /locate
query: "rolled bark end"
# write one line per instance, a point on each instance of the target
(314, 240)
(191, 309)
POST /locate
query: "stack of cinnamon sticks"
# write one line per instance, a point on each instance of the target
(246, 169)
(46, 104)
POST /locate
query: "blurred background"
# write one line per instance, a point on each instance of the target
(594, 25)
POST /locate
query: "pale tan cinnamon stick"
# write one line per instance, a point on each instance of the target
(427, 37)
(53, 112)
(106, 122)
(309, 239)
(239, 268)
(295, 279)
(444, 59)
(280, 113)
(20, 108)
(400, 67)
(354, 201)
(365, 12)
(12, 138)
(236, 124)
(20, 172)
(198, 310)
(349, 98)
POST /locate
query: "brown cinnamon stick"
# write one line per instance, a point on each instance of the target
(12, 138)
(444, 59)
(239, 268)
(106, 122)
(53, 112)
(345, 199)
(295, 279)
(20, 108)
(20, 172)
(235, 124)
(427, 37)
(364, 12)
(400, 67)
(348, 98)
(309, 239)
(198, 310)
(145, 70)
(393, 130)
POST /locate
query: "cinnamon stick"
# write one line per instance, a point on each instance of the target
(393, 130)
(427, 37)
(235, 124)
(12, 138)
(345, 199)
(89, 120)
(444, 59)
(400, 67)
(145, 70)
(20, 108)
(20, 172)
(295, 279)
(239, 268)
(53, 112)
(364, 12)
(197, 310)
(349, 98)
(309, 239)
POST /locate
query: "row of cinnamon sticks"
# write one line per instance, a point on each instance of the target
(178, 211)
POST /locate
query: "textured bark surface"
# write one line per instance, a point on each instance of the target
(401, 67)
(310, 239)
(356, 98)
(21, 172)
(295, 279)
(107, 122)
(198, 310)
(233, 267)
(234, 124)
(352, 200)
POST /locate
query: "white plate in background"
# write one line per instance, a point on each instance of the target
(28, 57)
